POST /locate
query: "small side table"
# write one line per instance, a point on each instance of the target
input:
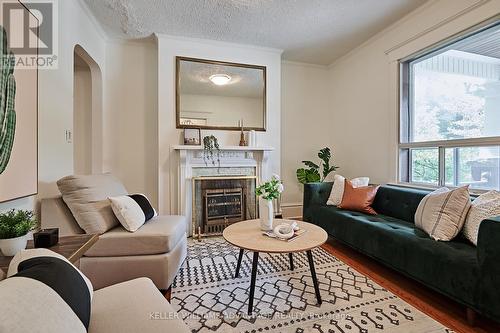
(71, 247)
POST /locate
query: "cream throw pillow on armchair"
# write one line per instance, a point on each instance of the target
(337, 192)
(441, 214)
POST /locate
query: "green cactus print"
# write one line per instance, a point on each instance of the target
(7, 98)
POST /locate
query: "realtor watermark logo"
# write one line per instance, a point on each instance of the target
(31, 29)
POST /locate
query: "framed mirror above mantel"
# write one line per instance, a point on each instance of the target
(220, 95)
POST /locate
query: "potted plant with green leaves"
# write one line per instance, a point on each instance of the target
(267, 192)
(311, 174)
(211, 144)
(14, 228)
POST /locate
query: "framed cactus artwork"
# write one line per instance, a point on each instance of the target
(18, 123)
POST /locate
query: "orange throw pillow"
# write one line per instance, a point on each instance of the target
(359, 199)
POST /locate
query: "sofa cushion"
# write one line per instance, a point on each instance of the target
(133, 306)
(404, 247)
(158, 235)
(399, 202)
(87, 198)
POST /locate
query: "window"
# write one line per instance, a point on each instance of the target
(450, 113)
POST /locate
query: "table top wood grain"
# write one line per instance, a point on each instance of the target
(71, 247)
(247, 235)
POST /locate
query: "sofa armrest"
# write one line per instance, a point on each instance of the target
(488, 243)
(488, 254)
(315, 194)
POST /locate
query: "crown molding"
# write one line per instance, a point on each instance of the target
(303, 64)
(405, 19)
(160, 36)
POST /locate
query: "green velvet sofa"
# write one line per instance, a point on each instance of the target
(468, 274)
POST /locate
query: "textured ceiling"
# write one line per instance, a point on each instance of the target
(245, 82)
(314, 31)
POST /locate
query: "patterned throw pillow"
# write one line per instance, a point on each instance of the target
(485, 206)
(132, 210)
(441, 214)
(338, 188)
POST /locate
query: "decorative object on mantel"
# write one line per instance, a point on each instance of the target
(311, 174)
(14, 228)
(192, 136)
(242, 135)
(210, 143)
(267, 192)
(252, 138)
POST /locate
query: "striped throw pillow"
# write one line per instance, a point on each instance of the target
(441, 214)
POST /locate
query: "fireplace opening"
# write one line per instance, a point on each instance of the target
(222, 208)
(221, 201)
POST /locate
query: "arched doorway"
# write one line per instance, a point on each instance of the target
(87, 114)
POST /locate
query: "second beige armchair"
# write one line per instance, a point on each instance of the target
(156, 250)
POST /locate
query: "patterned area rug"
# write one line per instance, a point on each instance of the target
(209, 299)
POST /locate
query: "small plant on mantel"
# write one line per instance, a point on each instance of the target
(311, 174)
(210, 143)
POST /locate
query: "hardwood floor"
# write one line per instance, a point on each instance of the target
(441, 308)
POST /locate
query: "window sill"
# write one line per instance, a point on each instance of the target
(434, 187)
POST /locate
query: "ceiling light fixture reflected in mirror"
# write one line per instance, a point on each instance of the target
(220, 79)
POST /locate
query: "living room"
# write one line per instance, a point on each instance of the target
(158, 148)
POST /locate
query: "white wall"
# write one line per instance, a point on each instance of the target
(55, 101)
(304, 124)
(130, 119)
(170, 47)
(364, 85)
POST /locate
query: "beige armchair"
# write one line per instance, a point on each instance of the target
(156, 250)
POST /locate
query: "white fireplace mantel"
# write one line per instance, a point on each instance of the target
(191, 157)
(240, 148)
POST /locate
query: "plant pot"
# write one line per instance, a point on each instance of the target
(266, 214)
(11, 246)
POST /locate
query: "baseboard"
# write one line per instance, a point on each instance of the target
(292, 211)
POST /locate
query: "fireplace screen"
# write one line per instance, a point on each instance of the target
(221, 201)
(222, 207)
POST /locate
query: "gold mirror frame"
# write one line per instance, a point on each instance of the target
(178, 60)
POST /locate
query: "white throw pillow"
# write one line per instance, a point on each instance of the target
(132, 210)
(484, 206)
(441, 214)
(337, 192)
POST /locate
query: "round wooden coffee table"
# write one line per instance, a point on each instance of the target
(247, 236)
